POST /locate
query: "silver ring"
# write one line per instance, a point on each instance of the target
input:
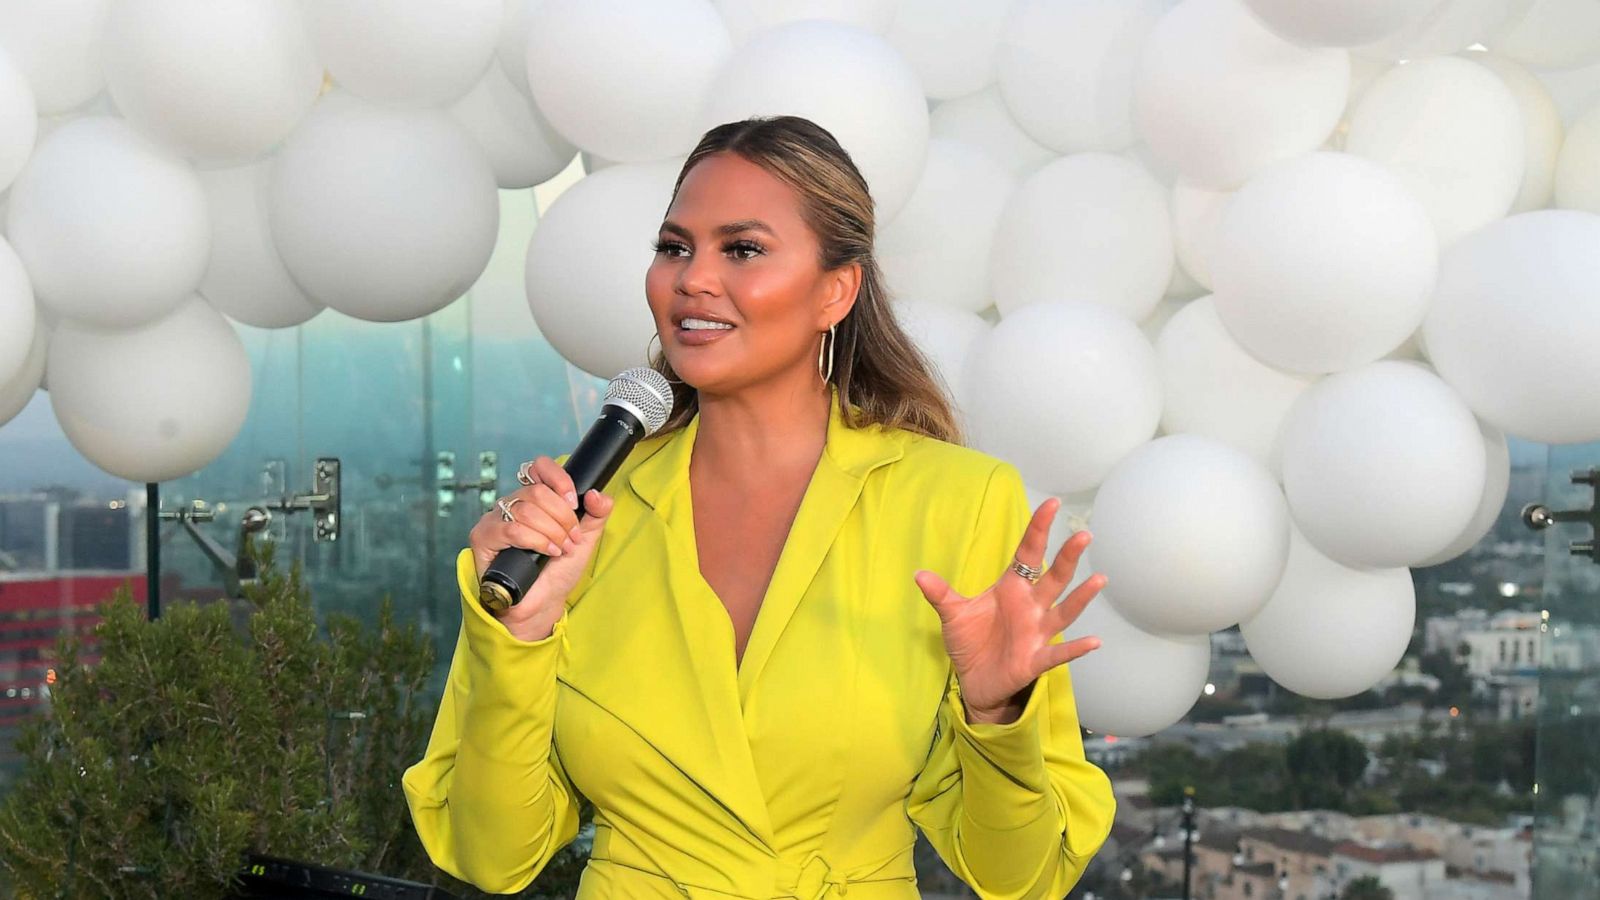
(505, 508)
(1026, 571)
(524, 476)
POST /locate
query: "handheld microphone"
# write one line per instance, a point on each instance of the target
(636, 405)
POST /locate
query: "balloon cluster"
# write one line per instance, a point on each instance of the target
(1263, 283)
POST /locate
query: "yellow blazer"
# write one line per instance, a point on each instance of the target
(801, 772)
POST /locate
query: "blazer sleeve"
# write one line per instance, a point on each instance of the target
(490, 799)
(1014, 810)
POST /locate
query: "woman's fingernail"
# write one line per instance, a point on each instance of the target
(573, 532)
(568, 545)
(554, 550)
(572, 499)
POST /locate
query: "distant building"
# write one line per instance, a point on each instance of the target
(1402, 868)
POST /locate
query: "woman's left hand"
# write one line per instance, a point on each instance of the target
(999, 641)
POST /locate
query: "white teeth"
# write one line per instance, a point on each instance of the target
(702, 324)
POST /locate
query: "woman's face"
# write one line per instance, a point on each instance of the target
(733, 248)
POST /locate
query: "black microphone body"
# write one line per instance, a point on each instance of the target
(591, 465)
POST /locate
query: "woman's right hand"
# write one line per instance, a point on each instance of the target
(545, 522)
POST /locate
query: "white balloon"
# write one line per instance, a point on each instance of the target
(17, 317)
(19, 123)
(1331, 630)
(1214, 388)
(1577, 174)
(587, 262)
(522, 147)
(1383, 465)
(57, 45)
(129, 400)
(1196, 211)
(1316, 23)
(384, 213)
(1168, 512)
(850, 82)
(1064, 390)
(1152, 324)
(405, 51)
(1450, 26)
(1541, 130)
(1514, 323)
(1552, 34)
(245, 278)
(1219, 97)
(84, 216)
(745, 18)
(624, 79)
(1066, 69)
(220, 82)
(1136, 683)
(983, 121)
(945, 336)
(1091, 226)
(950, 43)
(17, 391)
(1452, 132)
(1323, 263)
(1497, 483)
(1574, 91)
(937, 249)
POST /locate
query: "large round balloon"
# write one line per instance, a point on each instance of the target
(1136, 683)
(1577, 175)
(1218, 97)
(746, 18)
(84, 216)
(384, 213)
(511, 51)
(19, 122)
(587, 262)
(1452, 132)
(850, 82)
(1090, 226)
(1066, 69)
(245, 278)
(522, 147)
(1167, 517)
(1383, 465)
(129, 401)
(624, 79)
(1323, 263)
(1331, 630)
(982, 120)
(950, 43)
(405, 51)
(1315, 23)
(945, 335)
(1497, 483)
(57, 46)
(18, 390)
(1214, 388)
(1541, 129)
(1513, 325)
(1064, 390)
(937, 249)
(220, 82)
(17, 316)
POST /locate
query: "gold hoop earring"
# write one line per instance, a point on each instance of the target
(830, 340)
(655, 335)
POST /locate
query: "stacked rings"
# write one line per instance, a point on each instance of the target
(1026, 571)
(505, 507)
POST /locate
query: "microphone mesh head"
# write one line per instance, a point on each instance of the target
(645, 392)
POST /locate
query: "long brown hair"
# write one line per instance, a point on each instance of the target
(876, 367)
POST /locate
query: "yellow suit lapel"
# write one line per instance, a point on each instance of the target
(687, 643)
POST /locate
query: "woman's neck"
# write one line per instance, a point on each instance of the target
(749, 436)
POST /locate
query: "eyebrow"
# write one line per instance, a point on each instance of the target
(729, 228)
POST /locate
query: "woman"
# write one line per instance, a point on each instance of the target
(727, 654)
